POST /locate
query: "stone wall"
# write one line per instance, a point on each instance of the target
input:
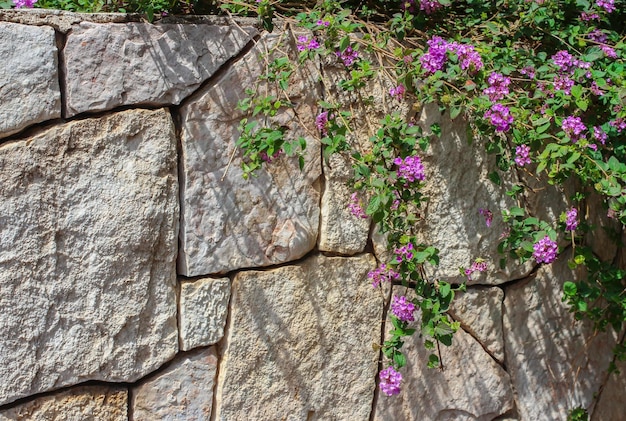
(141, 277)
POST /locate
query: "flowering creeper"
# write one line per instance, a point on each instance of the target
(545, 250)
(521, 155)
(571, 222)
(573, 128)
(390, 381)
(403, 309)
(410, 168)
(500, 116)
(488, 216)
(382, 274)
(498, 86)
(355, 207)
(24, 3)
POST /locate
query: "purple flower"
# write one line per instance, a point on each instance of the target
(410, 169)
(528, 71)
(571, 222)
(608, 51)
(398, 91)
(468, 56)
(597, 35)
(584, 16)
(404, 253)
(498, 86)
(436, 57)
(402, 309)
(390, 381)
(323, 22)
(563, 83)
(382, 274)
(573, 128)
(348, 56)
(304, 43)
(321, 122)
(499, 116)
(521, 155)
(488, 216)
(24, 3)
(355, 207)
(607, 5)
(266, 158)
(430, 6)
(563, 60)
(595, 89)
(599, 134)
(479, 265)
(545, 250)
(618, 123)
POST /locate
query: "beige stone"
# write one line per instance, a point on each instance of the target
(203, 307)
(299, 343)
(183, 391)
(76, 404)
(87, 253)
(229, 222)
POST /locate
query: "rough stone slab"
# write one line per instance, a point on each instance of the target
(458, 185)
(340, 231)
(109, 65)
(229, 222)
(299, 343)
(203, 311)
(611, 405)
(76, 404)
(183, 391)
(555, 363)
(29, 84)
(479, 309)
(87, 253)
(471, 387)
(62, 20)
(604, 231)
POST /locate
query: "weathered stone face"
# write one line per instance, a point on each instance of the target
(183, 391)
(299, 343)
(556, 364)
(29, 85)
(202, 311)
(78, 403)
(229, 222)
(472, 386)
(108, 65)
(87, 253)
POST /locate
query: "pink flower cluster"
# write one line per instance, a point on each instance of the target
(390, 381)
(304, 43)
(500, 117)
(545, 250)
(397, 92)
(477, 266)
(348, 56)
(608, 5)
(436, 57)
(498, 86)
(321, 122)
(410, 168)
(355, 207)
(24, 3)
(571, 221)
(404, 253)
(430, 6)
(521, 155)
(573, 128)
(488, 216)
(600, 135)
(382, 274)
(403, 309)
(266, 158)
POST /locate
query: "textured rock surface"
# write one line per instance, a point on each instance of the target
(76, 404)
(29, 85)
(472, 386)
(479, 310)
(555, 363)
(340, 231)
(458, 186)
(611, 405)
(229, 222)
(87, 253)
(299, 343)
(108, 65)
(183, 391)
(202, 312)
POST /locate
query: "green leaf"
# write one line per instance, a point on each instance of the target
(495, 177)
(433, 361)
(399, 360)
(344, 43)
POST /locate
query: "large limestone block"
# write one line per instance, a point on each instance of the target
(458, 185)
(29, 85)
(203, 307)
(611, 405)
(76, 404)
(183, 391)
(479, 309)
(299, 343)
(87, 253)
(108, 65)
(555, 363)
(228, 222)
(472, 385)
